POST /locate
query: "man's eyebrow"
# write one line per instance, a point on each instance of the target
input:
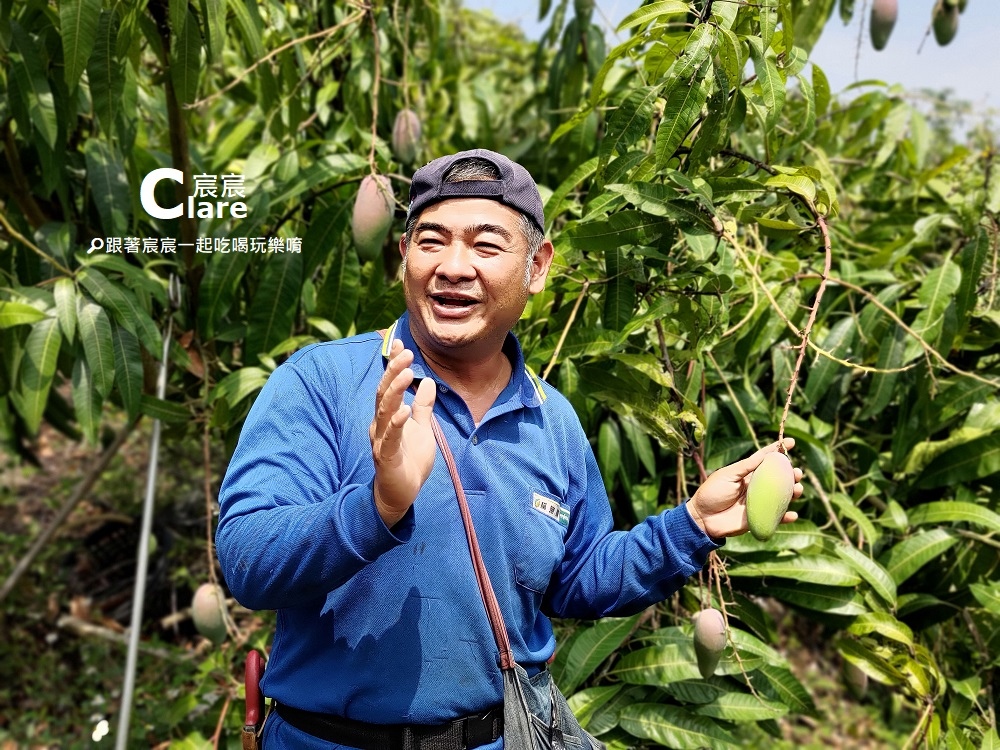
(494, 228)
(430, 226)
(474, 229)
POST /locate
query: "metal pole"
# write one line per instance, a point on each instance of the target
(142, 559)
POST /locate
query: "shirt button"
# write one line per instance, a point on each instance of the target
(444, 388)
(475, 439)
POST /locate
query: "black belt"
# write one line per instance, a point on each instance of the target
(461, 734)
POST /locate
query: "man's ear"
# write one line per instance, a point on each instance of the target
(402, 245)
(540, 265)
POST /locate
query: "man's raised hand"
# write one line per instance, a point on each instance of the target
(403, 445)
(719, 506)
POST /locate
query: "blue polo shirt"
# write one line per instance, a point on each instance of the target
(387, 625)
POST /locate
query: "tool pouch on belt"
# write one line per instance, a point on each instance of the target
(254, 720)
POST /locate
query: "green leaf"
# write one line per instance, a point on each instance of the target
(628, 123)
(30, 72)
(653, 11)
(185, 60)
(64, 293)
(794, 536)
(795, 183)
(19, 314)
(41, 350)
(619, 292)
(578, 175)
(78, 21)
(885, 625)
(818, 569)
(128, 369)
(883, 384)
(966, 463)
(768, 13)
(787, 688)
(971, 261)
(124, 306)
(214, 13)
(868, 662)
(622, 228)
(910, 555)
(876, 576)
(595, 644)
(821, 85)
(239, 384)
(274, 305)
(339, 294)
(86, 400)
(609, 451)
(108, 186)
(830, 599)
(674, 727)
(106, 79)
(936, 292)
(838, 342)
(324, 237)
(218, 290)
(742, 707)
(95, 335)
(658, 665)
(954, 511)
(586, 703)
(165, 411)
(684, 102)
(771, 82)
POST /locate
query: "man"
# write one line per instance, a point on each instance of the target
(336, 513)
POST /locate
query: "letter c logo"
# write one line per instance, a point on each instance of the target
(147, 199)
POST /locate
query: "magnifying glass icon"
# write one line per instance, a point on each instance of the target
(96, 244)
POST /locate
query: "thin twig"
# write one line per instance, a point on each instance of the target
(827, 263)
(736, 401)
(83, 628)
(32, 246)
(824, 498)
(375, 86)
(209, 502)
(929, 350)
(78, 494)
(565, 331)
(274, 53)
(222, 718)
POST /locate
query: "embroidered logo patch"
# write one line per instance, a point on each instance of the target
(554, 510)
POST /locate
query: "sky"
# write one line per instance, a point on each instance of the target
(970, 65)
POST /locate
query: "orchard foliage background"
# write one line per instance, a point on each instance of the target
(727, 234)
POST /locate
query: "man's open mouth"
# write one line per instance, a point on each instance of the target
(449, 301)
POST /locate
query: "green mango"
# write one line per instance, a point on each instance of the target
(208, 610)
(709, 639)
(768, 494)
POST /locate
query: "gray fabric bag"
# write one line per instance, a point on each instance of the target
(536, 715)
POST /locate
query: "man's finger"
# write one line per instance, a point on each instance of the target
(423, 402)
(748, 464)
(391, 399)
(392, 436)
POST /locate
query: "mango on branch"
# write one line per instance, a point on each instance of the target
(372, 217)
(768, 494)
(709, 639)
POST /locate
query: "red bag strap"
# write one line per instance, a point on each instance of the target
(482, 576)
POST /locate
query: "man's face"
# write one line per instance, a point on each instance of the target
(464, 276)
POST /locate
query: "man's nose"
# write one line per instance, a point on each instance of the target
(456, 263)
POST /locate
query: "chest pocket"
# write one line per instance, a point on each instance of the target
(541, 548)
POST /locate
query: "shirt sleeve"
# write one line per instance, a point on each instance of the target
(618, 573)
(289, 530)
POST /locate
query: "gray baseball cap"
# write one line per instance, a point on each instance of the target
(515, 188)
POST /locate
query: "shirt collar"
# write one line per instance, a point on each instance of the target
(526, 385)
